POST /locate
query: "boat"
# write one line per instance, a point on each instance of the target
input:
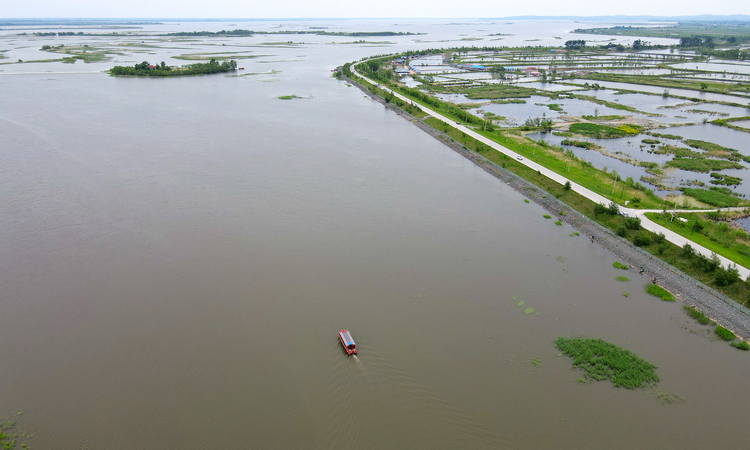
(348, 342)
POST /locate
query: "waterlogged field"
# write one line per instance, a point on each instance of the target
(181, 254)
(510, 88)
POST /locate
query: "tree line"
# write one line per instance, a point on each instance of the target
(145, 69)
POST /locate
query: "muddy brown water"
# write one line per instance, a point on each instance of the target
(179, 255)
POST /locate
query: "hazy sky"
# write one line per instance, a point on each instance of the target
(359, 8)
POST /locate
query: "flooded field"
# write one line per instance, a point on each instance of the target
(181, 253)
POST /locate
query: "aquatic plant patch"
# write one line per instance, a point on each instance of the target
(597, 131)
(619, 265)
(658, 291)
(724, 334)
(696, 314)
(601, 360)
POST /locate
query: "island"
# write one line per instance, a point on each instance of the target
(146, 69)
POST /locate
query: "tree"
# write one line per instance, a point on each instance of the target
(704, 86)
(601, 209)
(575, 44)
(642, 239)
(633, 223)
(567, 185)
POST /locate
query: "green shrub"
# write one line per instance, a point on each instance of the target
(742, 345)
(621, 231)
(619, 265)
(633, 223)
(558, 223)
(547, 216)
(724, 334)
(625, 294)
(526, 200)
(642, 239)
(660, 292)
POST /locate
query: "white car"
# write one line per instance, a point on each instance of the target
(519, 158)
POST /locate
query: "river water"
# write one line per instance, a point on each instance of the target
(180, 254)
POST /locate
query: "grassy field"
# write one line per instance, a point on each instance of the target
(597, 131)
(714, 197)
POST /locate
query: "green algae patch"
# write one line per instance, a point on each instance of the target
(521, 303)
(601, 360)
(619, 265)
(288, 97)
(622, 278)
(529, 310)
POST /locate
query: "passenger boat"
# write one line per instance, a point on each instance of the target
(348, 342)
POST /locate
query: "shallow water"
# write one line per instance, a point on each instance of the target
(181, 253)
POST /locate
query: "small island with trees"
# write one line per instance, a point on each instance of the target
(145, 69)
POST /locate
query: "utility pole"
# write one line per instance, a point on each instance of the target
(614, 186)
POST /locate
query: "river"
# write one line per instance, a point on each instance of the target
(180, 254)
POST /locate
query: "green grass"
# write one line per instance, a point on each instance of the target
(658, 291)
(547, 216)
(709, 147)
(656, 80)
(727, 123)
(558, 223)
(702, 164)
(714, 198)
(696, 314)
(287, 97)
(581, 144)
(602, 360)
(622, 278)
(729, 244)
(606, 117)
(742, 345)
(665, 136)
(625, 294)
(613, 105)
(526, 200)
(724, 334)
(597, 131)
(619, 265)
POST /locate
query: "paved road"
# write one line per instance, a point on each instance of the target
(646, 223)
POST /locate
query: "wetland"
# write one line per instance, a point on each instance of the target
(177, 279)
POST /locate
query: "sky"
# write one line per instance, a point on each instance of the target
(358, 8)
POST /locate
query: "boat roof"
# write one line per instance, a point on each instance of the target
(348, 340)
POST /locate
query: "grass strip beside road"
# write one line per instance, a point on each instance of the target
(685, 230)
